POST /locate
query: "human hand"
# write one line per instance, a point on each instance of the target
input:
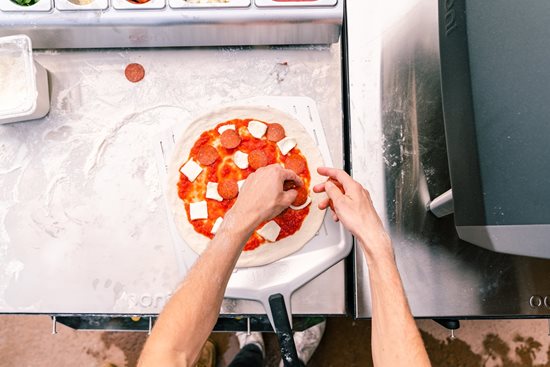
(354, 208)
(262, 196)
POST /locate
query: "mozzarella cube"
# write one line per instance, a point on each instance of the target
(240, 159)
(286, 144)
(240, 184)
(198, 210)
(257, 129)
(212, 191)
(221, 129)
(308, 201)
(191, 170)
(216, 225)
(270, 231)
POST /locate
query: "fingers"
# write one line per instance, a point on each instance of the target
(324, 204)
(319, 188)
(333, 192)
(289, 175)
(341, 176)
(288, 197)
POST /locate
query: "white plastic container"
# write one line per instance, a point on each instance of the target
(24, 92)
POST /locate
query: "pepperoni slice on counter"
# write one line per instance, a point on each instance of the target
(207, 155)
(275, 132)
(228, 189)
(134, 72)
(296, 164)
(230, 139)
(257, 159)
(338, 185)
(301, 198)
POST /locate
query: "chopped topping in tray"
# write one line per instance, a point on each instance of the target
(81, 2)
(25, 2)
(206, 1)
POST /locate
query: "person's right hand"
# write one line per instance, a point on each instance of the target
(263, 197)
(354, 209)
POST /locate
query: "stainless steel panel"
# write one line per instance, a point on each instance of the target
(398, 152)
(298, 3)
(141, 26)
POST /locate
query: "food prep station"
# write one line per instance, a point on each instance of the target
(84, 233)
(85, 229)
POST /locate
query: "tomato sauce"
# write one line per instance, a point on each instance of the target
(289, 220)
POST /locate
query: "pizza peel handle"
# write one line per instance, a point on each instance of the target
(283, 330)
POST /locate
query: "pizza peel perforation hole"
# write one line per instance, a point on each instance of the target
(315, 136)
(309, 113)
(163, 156)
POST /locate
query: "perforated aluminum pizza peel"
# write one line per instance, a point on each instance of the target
(330, 245)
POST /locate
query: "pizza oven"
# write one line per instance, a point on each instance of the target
(497, 181)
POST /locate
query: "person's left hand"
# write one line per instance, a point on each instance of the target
(262, 196)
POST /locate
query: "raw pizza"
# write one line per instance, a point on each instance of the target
(212, 160)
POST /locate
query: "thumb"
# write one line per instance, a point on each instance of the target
(333, 191)
(288, 197)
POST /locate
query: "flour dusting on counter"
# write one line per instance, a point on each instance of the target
(80, 195)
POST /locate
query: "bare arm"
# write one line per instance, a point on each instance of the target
(188, 318)
(396, 340)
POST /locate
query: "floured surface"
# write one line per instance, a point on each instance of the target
(83, 225)
(267, 252)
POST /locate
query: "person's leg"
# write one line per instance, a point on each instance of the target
(208, 355)
(252, 351)
(307, 341)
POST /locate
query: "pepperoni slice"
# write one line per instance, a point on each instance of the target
(288, 185)
(228, 189)
(275, 132)
(257, 159)
(296, 164)
(338, 185)
(301, 198)
(207, 155)
(230, 139)
(134, 72)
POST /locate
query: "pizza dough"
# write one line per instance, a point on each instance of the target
(269, 251)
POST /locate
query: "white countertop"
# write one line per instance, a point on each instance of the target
(83, 228)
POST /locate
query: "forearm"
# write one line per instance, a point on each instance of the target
(396, 340)
(189, 316)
